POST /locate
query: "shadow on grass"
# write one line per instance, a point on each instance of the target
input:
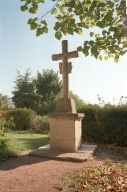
(33, 143)
(24, 132)
(28, 144)
(104, 153)
(21, 160)
(26, 159)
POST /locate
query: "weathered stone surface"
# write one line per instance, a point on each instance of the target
(65, 66)
(65, 105)
(55, 144)
(74, 116)
(65, 123)
(65, 131)
(85, 153)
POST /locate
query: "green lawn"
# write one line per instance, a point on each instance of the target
(24, 140)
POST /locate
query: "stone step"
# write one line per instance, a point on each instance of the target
(83, 154)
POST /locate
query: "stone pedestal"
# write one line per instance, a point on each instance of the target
(65, 132)
(65, 105)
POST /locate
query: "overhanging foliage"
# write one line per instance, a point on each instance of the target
(73, 16)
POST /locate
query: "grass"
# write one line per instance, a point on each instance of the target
(23, 140)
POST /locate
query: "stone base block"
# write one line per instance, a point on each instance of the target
(65, 132)
(85, 153)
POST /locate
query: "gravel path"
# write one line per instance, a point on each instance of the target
(34, 174)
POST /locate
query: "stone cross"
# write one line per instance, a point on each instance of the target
(65, 67)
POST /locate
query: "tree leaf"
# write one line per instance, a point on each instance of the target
(64, 30)
(80, 24)
(96, 53)
(105, 58)
(58, 5)
(54, 11)
(28, 2)
(100, 57)
(35, 19)
(110, 55)
(62, 9)
(97, 36)
(72, 21)
(79, 48)
(32, 10)
(70, 31)
(91, 43)
(79, 31)
(88, 19)
(33, 26)
(44, 29)
(99, 24)
(104, 32)
(86, 50)
(24, 8)
(57, 26)
(116, 59)
(30, 21)
(92, 34)
(44, 22)
(39, 32)
(58, 35)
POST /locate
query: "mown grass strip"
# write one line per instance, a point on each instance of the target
(23, 140)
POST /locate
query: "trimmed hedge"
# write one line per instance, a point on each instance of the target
(106, 125)
(23, 117)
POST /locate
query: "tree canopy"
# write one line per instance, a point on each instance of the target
(5, 102)
(38, 94)
(48, 88)
(48, 85)
(24, 94)
(73, 16)
(78, 101)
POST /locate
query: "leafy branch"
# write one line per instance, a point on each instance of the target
(75, 16)
(49, 10)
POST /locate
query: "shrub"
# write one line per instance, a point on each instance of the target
(115, 124)
(105, 125)
(40, 124)
(3, 114)
(90, 133)
(5, 124)
(22, 117)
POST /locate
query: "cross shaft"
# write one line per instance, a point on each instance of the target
(64, 56)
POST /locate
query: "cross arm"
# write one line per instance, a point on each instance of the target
(69, 55)
(56, 57)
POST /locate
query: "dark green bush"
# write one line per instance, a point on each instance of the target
(3, 140)
(90, 132)
(115, 124)
(22, 117)
(105, 125)
(5, 124)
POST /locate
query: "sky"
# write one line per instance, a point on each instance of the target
(20, 49)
